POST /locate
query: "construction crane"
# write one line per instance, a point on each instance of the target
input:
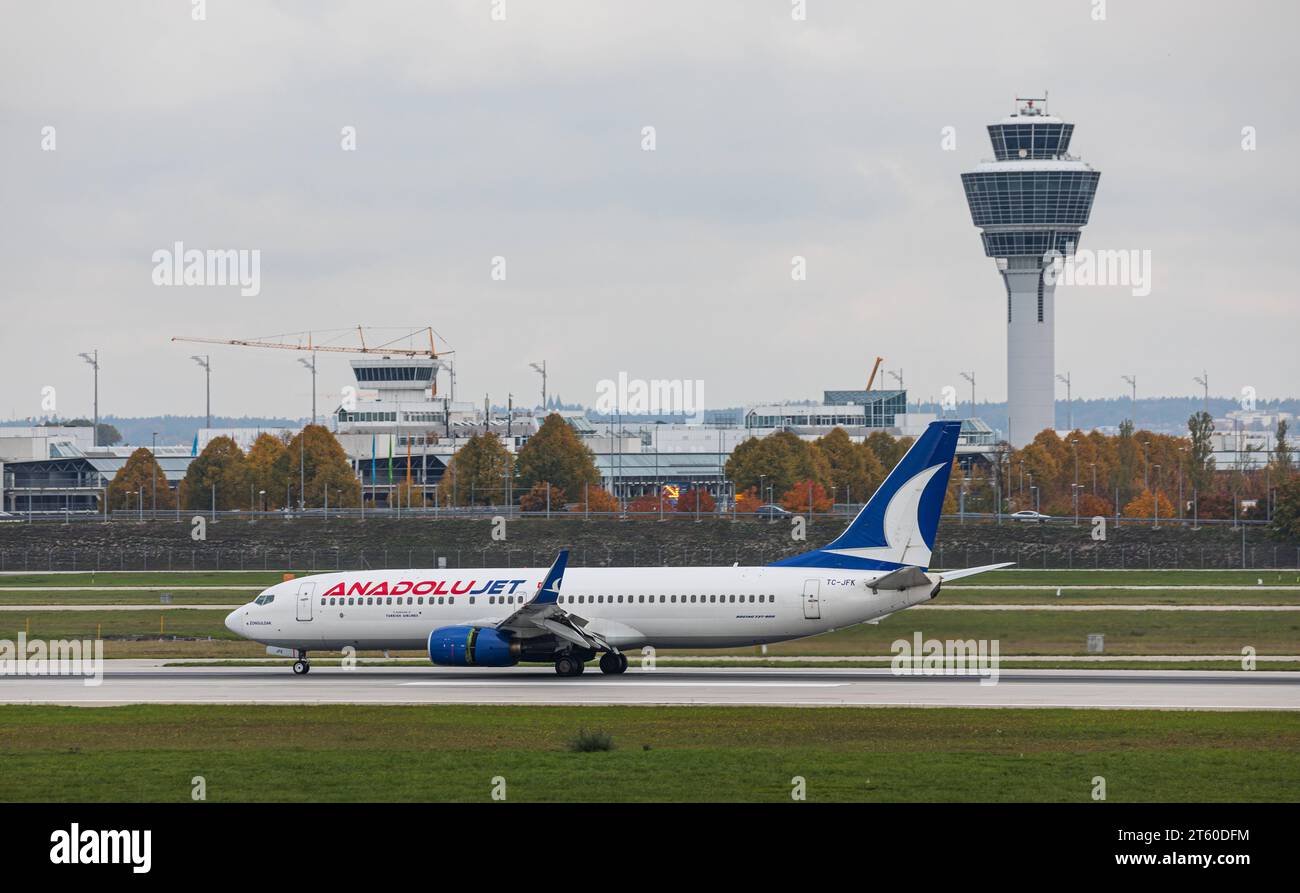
(874, 370)
(386, 348)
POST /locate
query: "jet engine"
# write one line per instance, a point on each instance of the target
(472, 646)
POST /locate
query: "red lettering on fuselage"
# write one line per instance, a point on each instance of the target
(457, 591)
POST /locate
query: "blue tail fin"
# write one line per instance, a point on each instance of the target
(896, 527)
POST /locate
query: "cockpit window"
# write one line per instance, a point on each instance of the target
(264, 599)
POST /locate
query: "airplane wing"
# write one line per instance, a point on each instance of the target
(542, 613)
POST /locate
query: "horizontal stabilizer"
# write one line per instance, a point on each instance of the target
(972, 571)
(903, 578)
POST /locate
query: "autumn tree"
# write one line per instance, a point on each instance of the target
(140, 472)
(649, 504)
(855, 471)
(776, 461)
(409, 495)
(218, 475)
(748, 501)
(952, 493)
(535, 499)
(267, 469)
(313, 461)
(1282, 449)
(1127, 461)
(804, 496)
(888, 449)
(1286, 509)
(1200, 462)
(1091, 506)
(594, 499)
(1144, 506)
(556, 455)
(696, 500)
(1042, 470)
(478, 473)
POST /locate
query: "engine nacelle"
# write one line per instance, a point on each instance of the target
(472, 646)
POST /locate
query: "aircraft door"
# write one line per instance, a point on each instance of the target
(812, 606)
(305, 593)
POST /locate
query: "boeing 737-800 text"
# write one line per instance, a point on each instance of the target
(499, 617)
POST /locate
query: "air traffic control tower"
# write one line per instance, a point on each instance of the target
(1032, 199)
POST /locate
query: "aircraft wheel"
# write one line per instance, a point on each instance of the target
(301, 668)
(613, 663)
(564, 665)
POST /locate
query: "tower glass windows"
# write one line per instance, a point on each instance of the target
(1000, 198)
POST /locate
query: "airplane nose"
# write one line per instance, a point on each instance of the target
(232, 620)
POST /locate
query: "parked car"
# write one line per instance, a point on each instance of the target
(771, 512)
(1028, 515)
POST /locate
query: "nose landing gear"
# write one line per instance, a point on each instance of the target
(301, 667)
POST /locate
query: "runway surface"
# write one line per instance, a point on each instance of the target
(1169, 689)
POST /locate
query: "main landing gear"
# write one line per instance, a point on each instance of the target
(613, 663)
(572, 663)
(568, 664)
(301, 667)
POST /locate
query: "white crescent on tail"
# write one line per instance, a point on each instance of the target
(902, 526)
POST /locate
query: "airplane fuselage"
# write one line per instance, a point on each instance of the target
(706, 607)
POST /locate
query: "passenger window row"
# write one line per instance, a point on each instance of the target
(763, 598)
(448, 599)
(380, 600)
(768, 598)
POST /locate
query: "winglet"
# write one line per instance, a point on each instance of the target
(550, 588)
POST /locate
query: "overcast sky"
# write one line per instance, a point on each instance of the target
(522, 138)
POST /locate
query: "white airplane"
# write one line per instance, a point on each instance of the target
(501, 616)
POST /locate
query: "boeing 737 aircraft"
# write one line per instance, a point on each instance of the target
(499, 617)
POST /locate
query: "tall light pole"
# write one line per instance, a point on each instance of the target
(93, 359)
(312, 366)
(1075, 443)
(971, 378)
(1182, 459)
(153, 454)
(302, 470)
(541, 370)
(897, 376)
(1204, 381)
(1155, 499)
(205, 362)
(1069, 401)
(1133, 383)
